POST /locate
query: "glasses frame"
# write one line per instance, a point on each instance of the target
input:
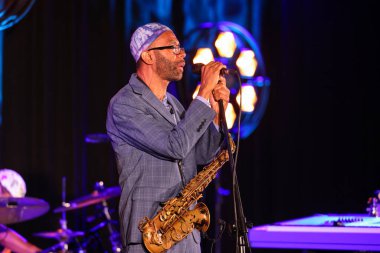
(176, 49)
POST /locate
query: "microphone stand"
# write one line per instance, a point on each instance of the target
(240, 226)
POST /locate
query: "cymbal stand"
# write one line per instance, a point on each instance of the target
(63, 220)
(114, 236)
(63, 245)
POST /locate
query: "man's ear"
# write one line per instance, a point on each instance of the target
(147, 57)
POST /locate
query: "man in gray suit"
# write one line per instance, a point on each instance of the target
(158, 144)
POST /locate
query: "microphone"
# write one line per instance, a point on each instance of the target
(171, 110)
(197, 69)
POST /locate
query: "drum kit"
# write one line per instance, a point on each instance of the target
(15, 210)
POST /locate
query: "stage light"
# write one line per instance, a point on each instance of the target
(230, 112)
(203, 55)
(249, 98)
(195, 93)
(225, 44)
(230, 115)
(247, 63)
(235, 47)
(12, 11)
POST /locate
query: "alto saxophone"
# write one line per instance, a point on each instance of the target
(175, 221)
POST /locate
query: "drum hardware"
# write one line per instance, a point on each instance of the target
(103, 214)
(60, 234)
(14, 210)
(60, 247)
(98, 197)
(63, 234)
(114, 236)
(65, 237)
(96, 236)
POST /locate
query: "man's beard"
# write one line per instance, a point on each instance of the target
(168, 70)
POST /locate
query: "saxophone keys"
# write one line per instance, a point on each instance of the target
(163, 217)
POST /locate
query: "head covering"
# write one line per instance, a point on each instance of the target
(144, 36)
(13, 182)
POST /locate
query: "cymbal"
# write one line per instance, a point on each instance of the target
(14, 210)
(60, 234)
(94, 198)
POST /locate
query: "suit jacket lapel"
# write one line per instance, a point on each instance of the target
(151, 99)
(178, 108)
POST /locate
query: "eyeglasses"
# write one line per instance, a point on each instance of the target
(176, 49)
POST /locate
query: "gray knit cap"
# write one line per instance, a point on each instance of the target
(144, 36)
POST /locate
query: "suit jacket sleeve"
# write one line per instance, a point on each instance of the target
(208, 145)
(140, 125)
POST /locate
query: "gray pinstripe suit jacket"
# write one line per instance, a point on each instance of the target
(148, 145)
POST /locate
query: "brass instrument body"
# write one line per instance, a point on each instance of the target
(175, 220)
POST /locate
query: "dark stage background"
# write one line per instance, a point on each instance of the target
(316, 149)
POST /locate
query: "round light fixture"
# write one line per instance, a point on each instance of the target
(235, 47)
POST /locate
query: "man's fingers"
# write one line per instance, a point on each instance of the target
(221, 92)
